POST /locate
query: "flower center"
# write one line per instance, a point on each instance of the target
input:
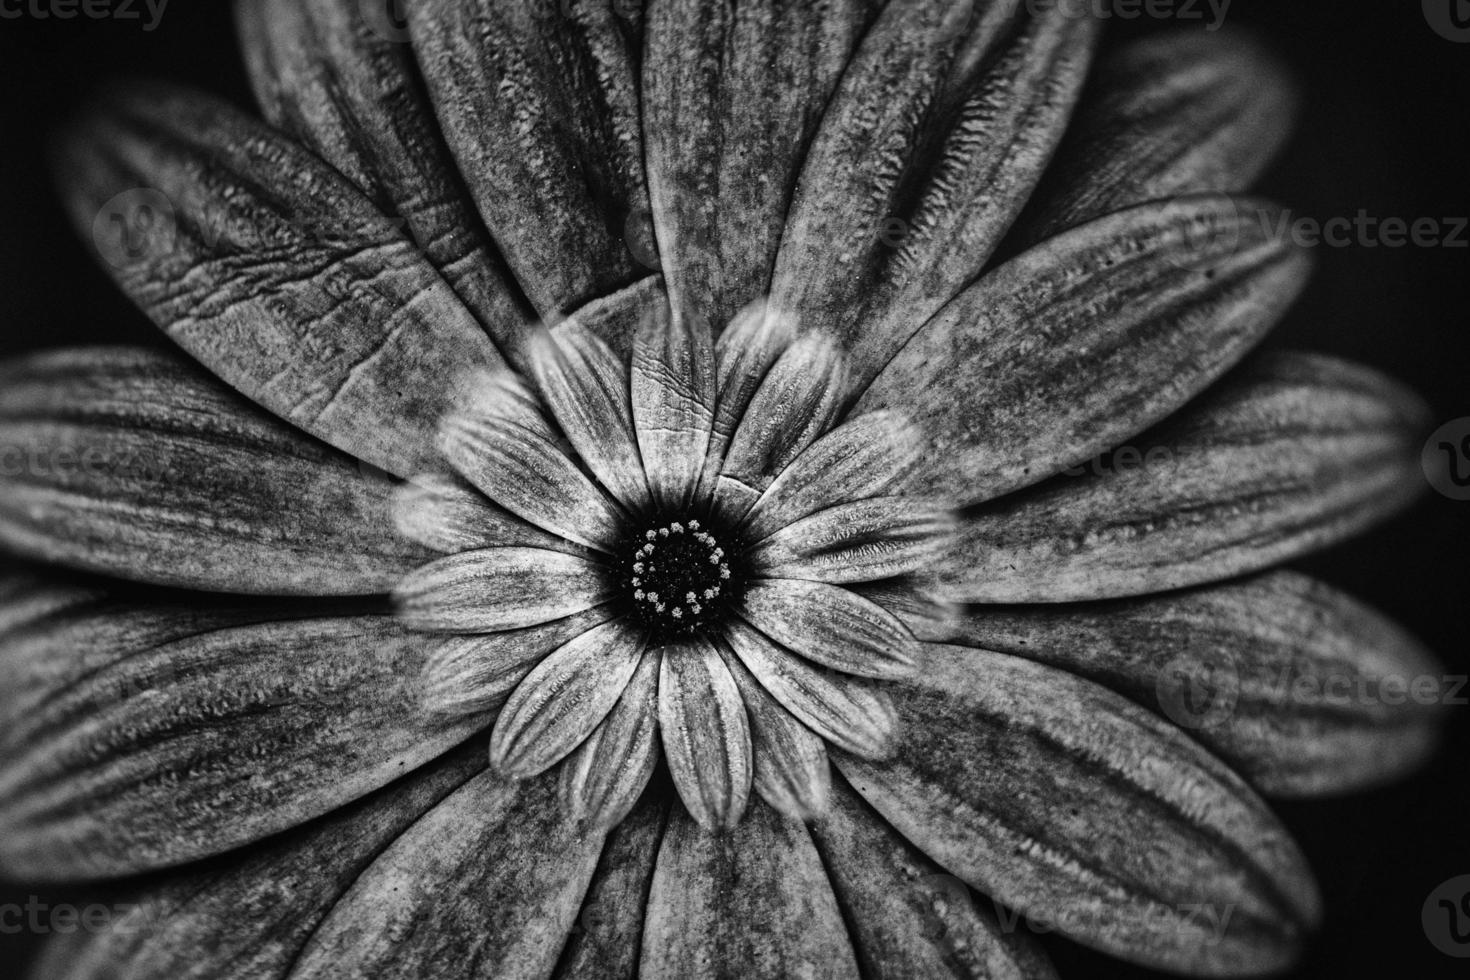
(679, 575)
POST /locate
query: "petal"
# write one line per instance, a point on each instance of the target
(447, 515)
(798, 400)
(585, 386)
(488, 884)
(731, 98)
(753, 903)
(705, 733)
(135, 464)
(1076, 808)
(604, 943)
(142, 735)
(498, 589)
(564, 698)
(471, 675)
(907, 917)
(539, 104)
(673, 391)
(1292, 454)
(1302, 690)
(515, 462)
(744, 353)
(603, 778)
(249, 914)
(858, 542)
(271, 269)
(331, 75)
(830, 626)
(934, 140)
(852, 714)
(1086, 340)
(864, 457)
(790, 769)
(1168, 114)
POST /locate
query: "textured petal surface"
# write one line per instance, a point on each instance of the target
(830, 626)
(447, 515)
(1065, 802)
(137, 735)
(138, 465)
(790, 762)
(539, 104)
(673, 392)
(270, 268)
(858, 542)
(1302, 690)
(752, 903)
(607, 773)
(705, 733)
(1086, 340)
(498, 589)
(487, 885)
(1292, 454)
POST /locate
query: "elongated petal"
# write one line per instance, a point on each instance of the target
(1293, 453)
(744, 352)
(933, 142)
(1086, 340)
(830, 626)
(498, 589)
(471, 675)
(864, 457)
(585, 386)
(1172, 113)
(539, 105)
(604, 943)
(798, 400)
(850, 713)
(270, 268)
(753, 904)
(731, 98)
(564, 698)
(790, 762)
(248, 915)
(705, 733)
(335, 75)
(136, 464)
(1072, 806)
(673, 390)
(447, 515)
(607, 773)
(907, 917)
(858, 542)
(488, 884)
(1302, 690)
(138, 736)
(517, 464)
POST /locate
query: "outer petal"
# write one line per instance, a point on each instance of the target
(1063, 801)
(606, 774)
(1301, 689)
(906, 916)
(705, 733)
(487, 885)
(498, 589)
(1292, 454)
(731, 97)
(272, 270)
(333, 74)
(1172, 113)
(135, 464)
(446, 514)
(752, 904)
(1086, 340)
(830, 626)
(137, 736)
(935, 138)
(790, 769)
(248, 915)
(539, 104)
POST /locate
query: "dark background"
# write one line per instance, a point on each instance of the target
(1385, 127)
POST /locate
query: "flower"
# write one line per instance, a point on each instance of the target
(947, 364)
